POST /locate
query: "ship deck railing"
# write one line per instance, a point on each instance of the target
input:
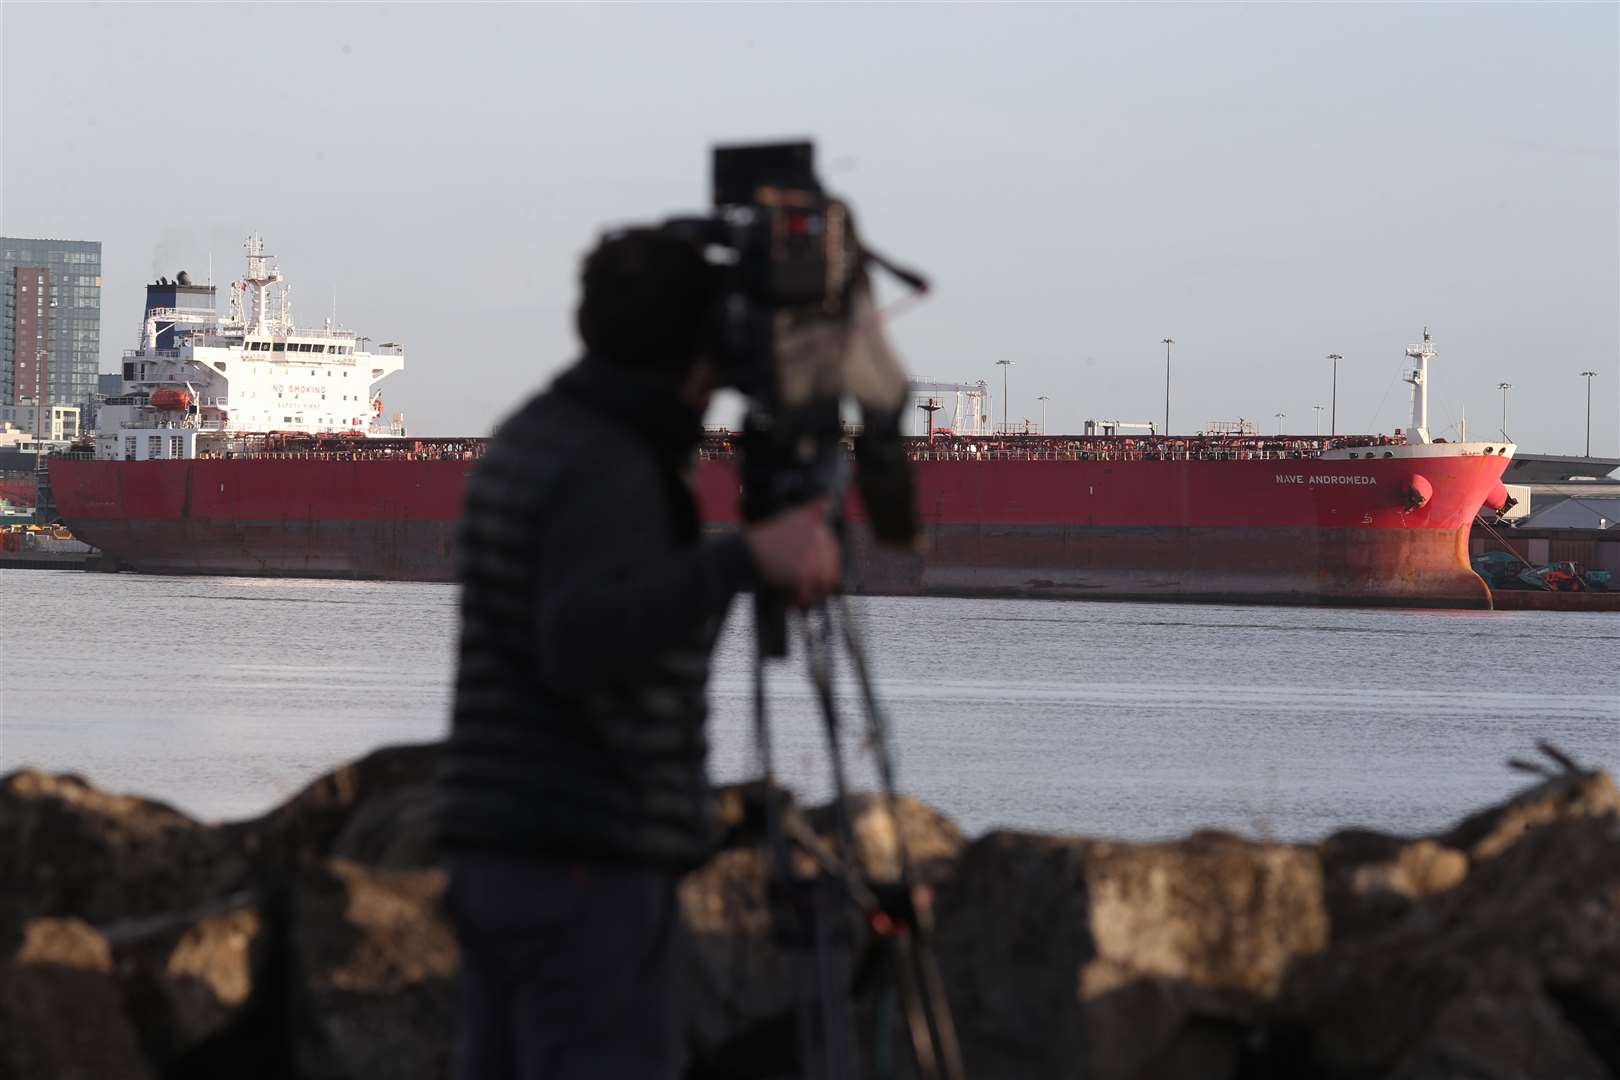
(335, 455)
(1114, 455)
(721, 447)
(318, 332)
(300, 447)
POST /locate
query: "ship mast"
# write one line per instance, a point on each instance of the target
(262, 273)
(1417, 432)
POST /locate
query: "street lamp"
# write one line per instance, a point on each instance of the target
(1167, 343)
(1280, 416)
(1505, 387)
(1588, 376)
(1004, 365)
(1043, 399)
(1318, 409)
(1333, 416)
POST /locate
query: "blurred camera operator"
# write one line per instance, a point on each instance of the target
(575, 791)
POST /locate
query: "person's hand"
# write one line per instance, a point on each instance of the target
(796, 551)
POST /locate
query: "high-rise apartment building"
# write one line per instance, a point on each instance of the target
(50, 343)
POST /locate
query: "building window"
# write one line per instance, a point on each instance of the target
(177, 446)
(129, 448)
(154, 446)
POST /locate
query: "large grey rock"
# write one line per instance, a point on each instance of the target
(1373, 879)
(1573, 794)
(62, 1009)
(1513, 973)
(188, 978)
(310, 942)
(374, 810)
(1070, 958)
(932, 840)
(371, 962)
(69, 849)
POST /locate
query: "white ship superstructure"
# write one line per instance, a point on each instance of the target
(195, 376)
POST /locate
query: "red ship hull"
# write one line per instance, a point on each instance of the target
(271, 517)
(1278, 531)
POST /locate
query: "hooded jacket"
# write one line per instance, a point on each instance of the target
(590, 604)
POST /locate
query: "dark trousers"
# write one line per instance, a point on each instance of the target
(567, 970)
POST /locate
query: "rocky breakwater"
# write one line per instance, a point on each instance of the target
(311, 942)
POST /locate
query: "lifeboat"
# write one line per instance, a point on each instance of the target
(171, 400)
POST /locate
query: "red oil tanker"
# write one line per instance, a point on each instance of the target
(1286, 520)
(179, 483)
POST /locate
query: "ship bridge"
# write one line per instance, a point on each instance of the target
(253, 370)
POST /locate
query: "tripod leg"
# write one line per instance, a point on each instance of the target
(934, 1038)
(818, 635)
(912, 1001)
(801, 938)
(939, 1007)
(833, 932)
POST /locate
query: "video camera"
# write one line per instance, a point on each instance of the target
(794, 328)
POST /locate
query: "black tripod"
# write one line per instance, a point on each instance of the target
(817, 914)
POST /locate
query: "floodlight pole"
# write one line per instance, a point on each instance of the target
(1004, 365)
(1588, 376)
(1167, 343)
(1333, 414)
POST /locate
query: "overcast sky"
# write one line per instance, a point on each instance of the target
(1265, 184)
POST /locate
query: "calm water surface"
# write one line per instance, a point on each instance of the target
(225, 695)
